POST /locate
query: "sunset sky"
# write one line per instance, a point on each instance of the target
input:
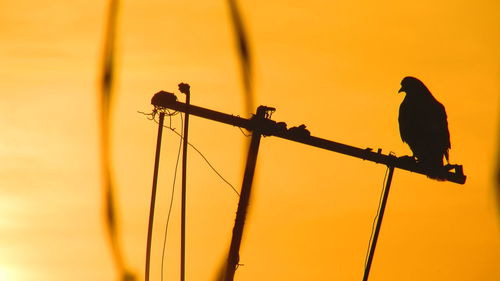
(334, 66)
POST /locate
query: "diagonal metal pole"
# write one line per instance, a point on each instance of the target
(246, 188)
(379, 223)
(153, 195)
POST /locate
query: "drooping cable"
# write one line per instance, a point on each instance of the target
(210, 165)
(198, 151)
(171, 200)
(152, 116)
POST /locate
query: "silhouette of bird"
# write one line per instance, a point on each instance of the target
(423, 126)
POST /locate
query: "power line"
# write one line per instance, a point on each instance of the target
(212, 167)
(192, 146)
(171, 200)
(181, 135)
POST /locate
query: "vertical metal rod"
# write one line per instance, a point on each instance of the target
(233, 258)
(184, 178)
(153, 195)
(379, 224)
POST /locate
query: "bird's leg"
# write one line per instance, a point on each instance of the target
(408, 159)
(413, 157)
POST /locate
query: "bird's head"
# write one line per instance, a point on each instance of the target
(411, 85)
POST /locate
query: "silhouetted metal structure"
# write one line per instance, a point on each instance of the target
(261, 125)
(153, 196)
(379, 224)
(185, 89)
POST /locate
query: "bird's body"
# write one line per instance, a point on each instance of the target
(423, 125)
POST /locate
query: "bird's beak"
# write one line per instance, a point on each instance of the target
(401, 90)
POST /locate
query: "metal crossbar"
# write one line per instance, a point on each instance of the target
(268, 127)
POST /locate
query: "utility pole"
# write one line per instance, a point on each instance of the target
(153, 195)
(246, 188)
(261, 125)
(185, 89)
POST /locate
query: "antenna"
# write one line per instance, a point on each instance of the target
(261, 124)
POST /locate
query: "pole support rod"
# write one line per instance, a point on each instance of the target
(239, 223)
(246, 189)
(379, 223)
(153, 195)
(184, 179)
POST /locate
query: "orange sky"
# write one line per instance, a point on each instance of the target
(332, 65)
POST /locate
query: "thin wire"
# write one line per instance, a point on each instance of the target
(202, 156)
(376, 216)
(171, 200)
(212, 167)
(243, 132)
